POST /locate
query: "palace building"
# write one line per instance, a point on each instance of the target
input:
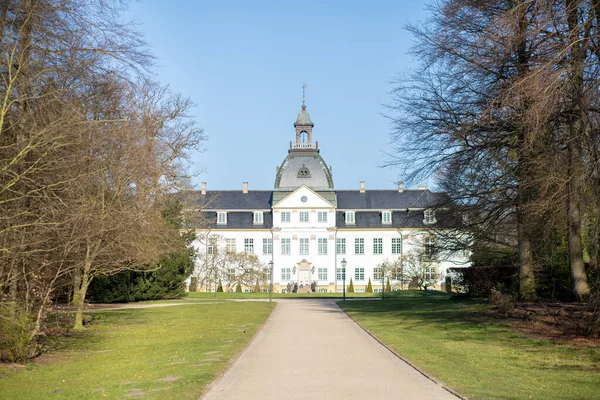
(306, 227)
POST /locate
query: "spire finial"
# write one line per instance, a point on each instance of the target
(304, 86)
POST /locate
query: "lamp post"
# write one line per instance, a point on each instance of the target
(344, 262)
(271, 281)
(382, 280)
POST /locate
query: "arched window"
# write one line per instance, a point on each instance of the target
(303, 172)
(303, 137)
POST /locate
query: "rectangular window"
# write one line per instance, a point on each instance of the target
(249, 246)
(429, 217)
(230, 275)
(340, 245)
(303, 246)
(396, 245)
(258, 218)
(396, 273)
(359, 246)
(303, 216)
(377, 273)
(267, 246)
(322, 246)
(230, 245)
(221, 218)
(430, 247)
(386, 217)
(339, 275)
(322, 274)
(285, 216)
(211, 247)
(267, 274)
(430, 273)
(286, 274)
(322, 216)
(377, 246)
(285, 246)
(350, 217)
(359, 274)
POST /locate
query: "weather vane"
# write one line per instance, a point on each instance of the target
(304, 86)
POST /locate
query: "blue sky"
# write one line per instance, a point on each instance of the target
(244, 62)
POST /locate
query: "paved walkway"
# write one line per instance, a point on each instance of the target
(310, 349)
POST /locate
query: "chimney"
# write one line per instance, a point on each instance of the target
(362, 186)
(400, 186)
(424, 187)
(203, 188)
(245, 190)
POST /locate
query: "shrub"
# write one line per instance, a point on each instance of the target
(478, 281)
(257, 286)
(369, 287)
(220, 287)
(388, 287)
(448, 284)
(350, 287)
(193, 284)
(238, 288)
(166, 282)
(16, 343)
(502, 301)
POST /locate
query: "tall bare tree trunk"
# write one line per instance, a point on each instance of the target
(526, 271)
(576, 133)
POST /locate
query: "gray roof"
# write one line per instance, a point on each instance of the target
(319, 177)
(230, 200)
(346, 199)
(400, 219)
(238, 220)
(388, 199)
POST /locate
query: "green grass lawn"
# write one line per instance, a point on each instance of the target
(170, 352)
(265, 295)
(478, 357)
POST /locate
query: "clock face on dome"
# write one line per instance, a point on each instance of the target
(304, 198)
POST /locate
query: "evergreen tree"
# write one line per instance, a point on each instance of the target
(238, 288)
(220, 287)
(351, 287)
(257, 286)
(388, 287)
(369, 287)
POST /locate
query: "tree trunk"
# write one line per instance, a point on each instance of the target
(81, 292)
(526, 273)
(579, 282)
(576, 134)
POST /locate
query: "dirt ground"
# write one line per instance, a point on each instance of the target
(553, 321)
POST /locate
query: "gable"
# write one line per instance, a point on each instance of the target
(294, 200)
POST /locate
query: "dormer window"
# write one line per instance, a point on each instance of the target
(350, 218)
(221, 218)
(258, 217)
(386, 217)
(429, 217)
(303, 172)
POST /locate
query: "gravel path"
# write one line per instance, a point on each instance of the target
(311, 349)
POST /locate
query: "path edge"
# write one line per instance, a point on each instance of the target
(233, 359)
(419, 370)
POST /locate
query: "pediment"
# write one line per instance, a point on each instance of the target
(303, 197)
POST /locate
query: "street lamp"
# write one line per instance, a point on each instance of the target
(344, 262)
(271, 283)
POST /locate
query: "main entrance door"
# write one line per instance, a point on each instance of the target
(304, 276)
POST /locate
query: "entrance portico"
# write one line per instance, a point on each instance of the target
(304, 277)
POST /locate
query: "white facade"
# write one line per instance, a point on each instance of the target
(307, 230)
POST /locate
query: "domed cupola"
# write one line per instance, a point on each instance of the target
(303, 165)
(303, 118)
